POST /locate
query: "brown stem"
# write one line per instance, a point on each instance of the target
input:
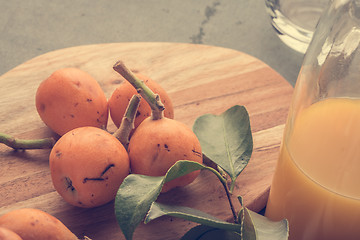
(157, 107)
(228, 194)
(127, 122)
(231, 204)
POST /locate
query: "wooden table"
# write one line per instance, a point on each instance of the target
(200, 79)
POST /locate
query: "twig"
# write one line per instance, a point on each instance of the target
(18, 144)
(157, 107)
(224, 183)
(127, 122)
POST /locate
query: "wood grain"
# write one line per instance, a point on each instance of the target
(200, 79)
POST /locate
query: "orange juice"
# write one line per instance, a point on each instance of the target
(316, 184)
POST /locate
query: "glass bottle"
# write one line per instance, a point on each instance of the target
(316, 184)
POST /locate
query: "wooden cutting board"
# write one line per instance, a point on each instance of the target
(200, 79)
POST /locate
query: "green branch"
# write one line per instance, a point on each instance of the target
(228, 195)
(157, 107)
(18, 144)
(127, 122)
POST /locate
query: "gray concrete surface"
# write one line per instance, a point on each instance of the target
(31, 28)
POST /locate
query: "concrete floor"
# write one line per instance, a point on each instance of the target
(31, 28)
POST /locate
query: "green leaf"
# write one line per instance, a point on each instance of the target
(181, 168)
(226, 139)
(203, 232)
(267, 229)
(248, 231)
(137, 192)
(253, 226)
(133, 200)
(158, 209)
(256, 226)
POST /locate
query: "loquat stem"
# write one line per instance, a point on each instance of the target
(20, 144)
(228, 194)
(127, 123)
(157, 107)
(231, 204)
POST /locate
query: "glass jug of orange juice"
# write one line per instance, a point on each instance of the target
(316, 184)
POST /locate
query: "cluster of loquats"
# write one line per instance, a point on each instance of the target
(88, 163)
